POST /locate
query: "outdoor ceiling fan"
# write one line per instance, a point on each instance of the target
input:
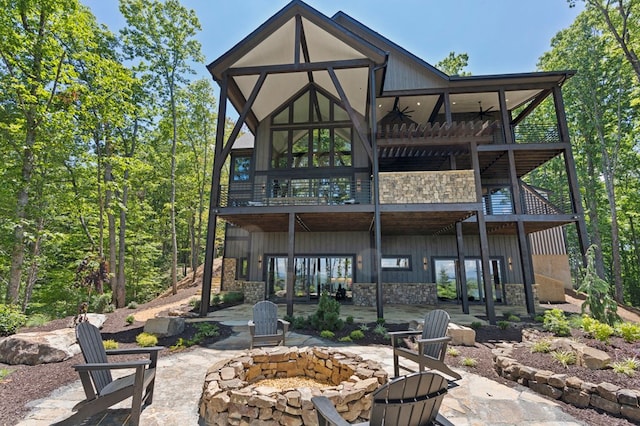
(482, 112)
(397, 114)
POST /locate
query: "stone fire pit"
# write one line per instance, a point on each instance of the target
(233, 393)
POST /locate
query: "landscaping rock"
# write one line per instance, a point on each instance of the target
(164, 326)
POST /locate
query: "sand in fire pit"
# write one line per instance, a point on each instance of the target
(285, 383)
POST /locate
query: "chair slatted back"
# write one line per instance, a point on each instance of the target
(265, 318)
(435, 325)
(412, 400)
(90, 342)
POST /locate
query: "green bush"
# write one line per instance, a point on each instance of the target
(349, 320)
(327, 334)
(109, 308)
(628, 366)
(11, 319)
(345, 339)
(146, 340)
(475, 325)
(364, 327)
(99, 303)
(381, 321)
(232, 297)
(602, 332)
(206, 329)
(133, 305)
(327, 316)
(503, 325)
(37, 320)
(513, 318)
(598, 301)
(299, 322)
(130, 319)
(565, 358)
(539, 318)
(556, 322)
(110, 344)
(356, 335)
(380, 329)
(541, 346)
(194, 302)
(469, 362)
(629, 331)
(216, 299)
(4, 373)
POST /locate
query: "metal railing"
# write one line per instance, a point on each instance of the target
(536, 133)
(534, 202)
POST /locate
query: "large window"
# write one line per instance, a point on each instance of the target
(318, 134)
(241, 168)
(448, 284)
(314, 275)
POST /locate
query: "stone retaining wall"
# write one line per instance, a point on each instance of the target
(364, 294)
(254, 291)
(572, 390)
(229, 266)
(451, 186)
(515, 296)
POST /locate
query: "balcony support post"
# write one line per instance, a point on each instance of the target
(461, 272)
(291, 269)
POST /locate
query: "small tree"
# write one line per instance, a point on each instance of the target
(91, 274)
(599, 301)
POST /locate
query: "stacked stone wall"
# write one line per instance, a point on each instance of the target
(229, 274)
(364, 294)
(451, 186)
(515, 295)
(254, 291)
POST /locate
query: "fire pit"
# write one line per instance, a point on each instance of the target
(275, 386)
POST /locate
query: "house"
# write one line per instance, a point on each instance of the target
(367, 169)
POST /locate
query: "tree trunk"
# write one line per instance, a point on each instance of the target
(592, 211)
(120, 290)
(174, 240)
(17, 255)
(34, 267)
(615, 231)
(111, 221)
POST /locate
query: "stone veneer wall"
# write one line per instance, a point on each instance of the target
(515, 295)
(254, 291)
(229, 274)
(450, 186)
(364, 294)
(570, 389)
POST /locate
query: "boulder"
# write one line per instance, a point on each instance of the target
(43, 347)
(164, 326)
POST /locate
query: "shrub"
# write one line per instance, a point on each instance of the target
(349, 320)
(206, 329)
(133, 305)
(345, 339)
(513, 318)
(356, 335)
(538, 318)
(381, 321)
(11, 319)
(180, 345)
(541, 346)
(4, 373)
(556, 322)
(194, 302)
(110, 344)
(380, 329)
(327, 334)
(233, 297)
(565, 358)
(451, 351)
(216, 299)
(628, 366)
(630, 332)
(299, 322)
(588, 324)
(99, 303)
(37, 320)
(503, 325)
(469, 362)
(602, 332)
(327, 316)
(146, 340)
(130, 319)
(475, 325)
(364, 328)
(598, 301)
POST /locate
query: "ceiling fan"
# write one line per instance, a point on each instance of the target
(397, 114)
(482, 112)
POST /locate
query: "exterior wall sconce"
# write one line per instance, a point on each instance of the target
(510, 262)
(425, 263)
(359, 260)
(358, 185)
(259, 261)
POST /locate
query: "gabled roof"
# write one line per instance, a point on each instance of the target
(274, 44)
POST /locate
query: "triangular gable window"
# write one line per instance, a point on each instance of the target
(312, 106)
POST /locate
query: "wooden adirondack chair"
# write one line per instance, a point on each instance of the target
(100, 389)
(431, 345)
(265, 324)
(412, 400)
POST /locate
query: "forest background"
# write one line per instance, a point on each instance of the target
(107, 145)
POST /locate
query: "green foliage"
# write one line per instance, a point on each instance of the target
(380, 329)
(180, 345)
(602, 332)
(11, 318)
(454, 64)
(146, 340)
(513, 318)
(503, 325)
(629, 331)
(194, 302)
(4, 373)
(541, 346)
(539, 318)
(232, 297)
(598, 301)
(349, 320)
(100, 303)
(215, 300)
(109, 308)
(206, 329)
(627, 366)
(110, 344)
(469, 362)
(299, 322)
(451, 351)
(345, 339)
(475, 325)
(327, 316)
(327, 334)
(364, 327)
(356, 335)
(555, 322)
(130, 319)
(565, 358)
(132, 305)
(381, 321)
(36, 320)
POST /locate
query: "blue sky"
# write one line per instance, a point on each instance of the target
(430, 29)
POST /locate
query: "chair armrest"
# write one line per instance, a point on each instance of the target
(325, 408)
(134, 351)
(397, 336)
(252, 328)
(112, 365)
(434, 340)
(284, 324)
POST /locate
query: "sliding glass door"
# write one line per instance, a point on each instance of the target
(450, 286)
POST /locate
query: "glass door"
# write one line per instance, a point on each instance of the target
(448, 282)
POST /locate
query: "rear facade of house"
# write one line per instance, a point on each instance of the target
(371, 175)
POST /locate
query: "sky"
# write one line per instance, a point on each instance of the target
(500, 36)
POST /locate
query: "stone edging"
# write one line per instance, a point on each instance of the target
(572, 390)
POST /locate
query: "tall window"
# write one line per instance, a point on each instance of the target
(241, 168)
(318, 134)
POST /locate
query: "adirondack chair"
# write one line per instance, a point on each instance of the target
(265, 325)
(100, 389)
(431, 345)
(412, 400)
